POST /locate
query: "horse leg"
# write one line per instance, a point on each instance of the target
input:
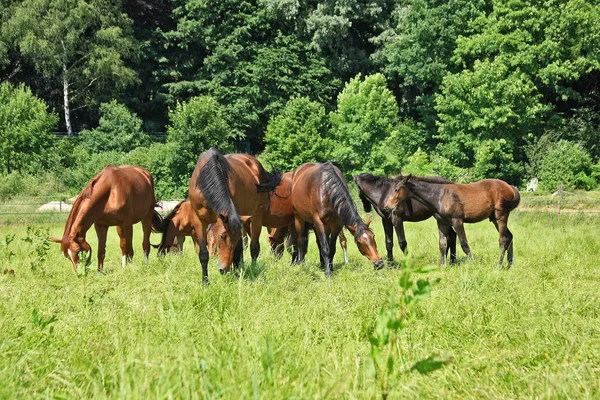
(238, 255)
(101, 231)
(462, 236)
(301, 239)
(388, 229)
(322, 237)
(506, 238)
(147, 230)
(125, 232)
(255, 229)
(334, 235)
(452, 245)
(444, 229)
(344, 245)
(200, 229)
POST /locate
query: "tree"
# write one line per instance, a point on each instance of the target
(196, 126)
(25, 130)
(569, 164)
(366, 116)
(81, 44)
(297, 135)
(119, 130)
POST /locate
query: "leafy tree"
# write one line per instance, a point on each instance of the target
(77, 45)
(25, 130)
(196, 126)
(157, 158)
(569, 164)
(486, 104)
(367, 115)
(118, 130)
(297, 135)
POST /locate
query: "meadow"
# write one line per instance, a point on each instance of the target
(152, 330)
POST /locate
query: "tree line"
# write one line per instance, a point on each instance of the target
(465, 89)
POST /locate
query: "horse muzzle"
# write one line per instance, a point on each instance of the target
(377, 265)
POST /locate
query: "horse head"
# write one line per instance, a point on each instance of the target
(227, 237)
(365, 241)
(399, 193)
(74, 248)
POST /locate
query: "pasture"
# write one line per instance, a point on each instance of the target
(282, 332)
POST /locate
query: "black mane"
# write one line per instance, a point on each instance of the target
(341, 200)
(213, 181)
(375, 180)
(427, 179)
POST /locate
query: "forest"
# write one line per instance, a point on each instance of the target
(464, 89)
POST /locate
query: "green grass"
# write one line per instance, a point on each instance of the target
(280, 331)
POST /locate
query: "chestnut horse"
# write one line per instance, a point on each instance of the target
(320, 197)
(183, 218)
(374, 192)
(221, 189)
(454, 204)
(116, 196)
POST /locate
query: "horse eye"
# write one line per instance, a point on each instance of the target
(223, 236)
(397, 190)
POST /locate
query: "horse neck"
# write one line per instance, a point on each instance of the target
(377, 194)
(82, 221)
(427, 193)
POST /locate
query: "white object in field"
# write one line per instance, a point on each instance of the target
(532, 185)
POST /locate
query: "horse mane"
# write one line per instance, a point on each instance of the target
(213, 181)
(426, 179)
(86, 193)
(341, 200)
(375, 180)
(268, 180)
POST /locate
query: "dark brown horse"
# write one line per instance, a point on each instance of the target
(278, 236)
(320, 197)
(221, 190)
(116, 196)
(454, 204)
(374, 192)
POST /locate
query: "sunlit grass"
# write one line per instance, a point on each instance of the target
(280, 331)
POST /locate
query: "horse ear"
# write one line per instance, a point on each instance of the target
(86, 246)
(246, 218)
(223, 216)
(351, 228)
(56, 240)
(368, 221)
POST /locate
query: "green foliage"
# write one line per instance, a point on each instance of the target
(7, 253)
(394, 316)
(88, 165)
(569, 164)
(493, 159)
(297, 135)
(366, 116)
(25, 130)
(196, 126)
(39, 239)
(74, 44)
(22, 184)
(118, 130)
(420, 163)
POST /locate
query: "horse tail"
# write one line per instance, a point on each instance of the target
(512, 203)
(157, 222)
(365, 201)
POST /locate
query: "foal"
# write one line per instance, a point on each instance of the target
(454, 204)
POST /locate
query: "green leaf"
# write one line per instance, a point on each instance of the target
(430, 364)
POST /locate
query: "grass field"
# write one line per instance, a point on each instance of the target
(280, 331)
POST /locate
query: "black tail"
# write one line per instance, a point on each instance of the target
(157, 222)
(270, 182)
(365, 201)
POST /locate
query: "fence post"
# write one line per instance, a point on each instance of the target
(560, 194)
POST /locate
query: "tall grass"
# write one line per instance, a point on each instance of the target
(279, 331)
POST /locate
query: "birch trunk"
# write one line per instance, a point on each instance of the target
(66, 101)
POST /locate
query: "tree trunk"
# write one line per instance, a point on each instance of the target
(66, 101)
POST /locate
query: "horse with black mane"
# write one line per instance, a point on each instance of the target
(116, 196)
(374, 191)
(227, 190)
(455, 204)
(320, 197)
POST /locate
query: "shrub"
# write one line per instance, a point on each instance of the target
(25, 130)
(566, 163)
(118, 130)
(420, 163)
(493, 159)
(88, 165)
(298, 135)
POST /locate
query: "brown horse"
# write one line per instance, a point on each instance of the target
(374, 191)
(277, 237)
(454, 204)
(116, 196)
(320, 197)
(221, 189)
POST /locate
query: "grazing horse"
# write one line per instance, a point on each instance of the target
(226, 190)
(183, 218)
(277, 237)
(116, 196)
(374, 192)
(454, 204)
(320, 197)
